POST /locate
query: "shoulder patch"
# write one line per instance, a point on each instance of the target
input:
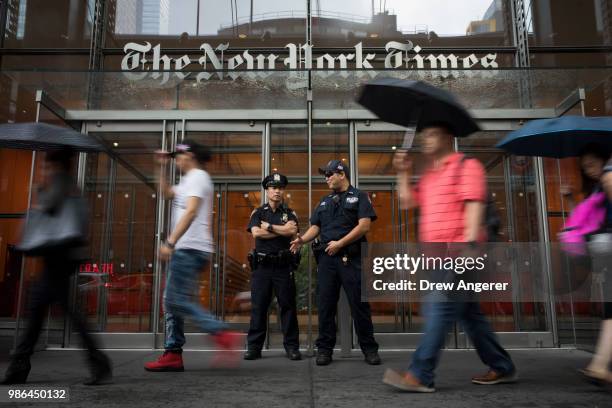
(351, 200)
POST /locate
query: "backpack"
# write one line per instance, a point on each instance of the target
(492, 219)
(586, 218)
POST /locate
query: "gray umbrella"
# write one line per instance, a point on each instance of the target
(43, 136)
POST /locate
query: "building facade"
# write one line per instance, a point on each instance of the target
(272, 88)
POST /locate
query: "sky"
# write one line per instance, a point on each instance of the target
(445, 17)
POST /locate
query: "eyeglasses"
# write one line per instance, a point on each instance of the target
(328, 174)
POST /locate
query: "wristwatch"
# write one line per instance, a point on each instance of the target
(169, 244)
(270, 228)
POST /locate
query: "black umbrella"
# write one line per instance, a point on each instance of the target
(43, 136)
(405, 103)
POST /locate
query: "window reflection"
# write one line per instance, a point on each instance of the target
(187, 23)
(48, 24)
(435, 22)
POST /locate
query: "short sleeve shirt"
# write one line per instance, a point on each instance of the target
(195, 183)
(337, 214)
(441, 194)
(280, 216)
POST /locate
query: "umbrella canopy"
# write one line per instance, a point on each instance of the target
(566, 136)
(42, 136)
(405, 103)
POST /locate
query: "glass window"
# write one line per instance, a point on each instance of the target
(49, 24)
(424, 23)
(234, 154)
(569, 23)
(189, 23)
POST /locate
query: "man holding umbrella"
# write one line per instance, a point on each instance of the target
(451, 196)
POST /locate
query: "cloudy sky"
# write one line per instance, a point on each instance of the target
(445, 17)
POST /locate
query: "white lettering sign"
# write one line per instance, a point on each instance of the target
(140, 58)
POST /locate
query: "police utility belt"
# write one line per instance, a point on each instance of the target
(351, 251)
(281, 258)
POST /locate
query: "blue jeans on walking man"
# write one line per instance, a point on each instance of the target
(440, 316)
(181, 298)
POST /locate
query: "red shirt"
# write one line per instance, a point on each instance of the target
(441, 194)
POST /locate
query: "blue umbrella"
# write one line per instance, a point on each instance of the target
(566, 136)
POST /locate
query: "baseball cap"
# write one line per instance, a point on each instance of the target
(201, 153)
(334, 166)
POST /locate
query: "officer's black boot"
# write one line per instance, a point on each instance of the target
(372, 358)
(252, 354)
(294, 355)
(323, 358)
(18, 370)
(101, 369)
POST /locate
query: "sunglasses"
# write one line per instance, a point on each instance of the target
(328, 174)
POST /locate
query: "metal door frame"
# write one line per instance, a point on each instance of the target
(219, 120)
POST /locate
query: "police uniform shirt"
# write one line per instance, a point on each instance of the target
(279, 217)
(338, 213)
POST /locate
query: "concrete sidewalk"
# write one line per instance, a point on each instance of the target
(547, 379)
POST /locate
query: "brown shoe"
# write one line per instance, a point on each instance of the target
(405, 381)
(493, 377)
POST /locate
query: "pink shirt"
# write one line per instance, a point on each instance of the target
(441, 194)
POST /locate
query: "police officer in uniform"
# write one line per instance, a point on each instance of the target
(341, 220)
(272, 263)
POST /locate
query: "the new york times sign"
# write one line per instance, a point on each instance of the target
(140, 58)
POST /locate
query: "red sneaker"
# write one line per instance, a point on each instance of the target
(229, 344)
(169, 361)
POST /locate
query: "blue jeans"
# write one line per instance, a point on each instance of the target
(440, 317)
(181, 299)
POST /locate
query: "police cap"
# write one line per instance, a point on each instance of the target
(275, 180)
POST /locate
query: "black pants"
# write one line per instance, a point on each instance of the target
(266, 281)
(52, 287)
(331, 275)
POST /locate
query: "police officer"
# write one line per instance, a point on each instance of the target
(341, 219)
(273, 226)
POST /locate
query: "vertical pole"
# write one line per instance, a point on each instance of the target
(344, 313)
(159, 230)
(20, 295)
(309, 177)
(198, 19)
(545, 247)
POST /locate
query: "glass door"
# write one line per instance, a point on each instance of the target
(116, 287)
(236, 171)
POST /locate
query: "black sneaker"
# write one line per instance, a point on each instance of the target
(17, 372)
(323, 358)
(294, 355)
(372, 358)
(252, 354)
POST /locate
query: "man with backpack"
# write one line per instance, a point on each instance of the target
(452, 199)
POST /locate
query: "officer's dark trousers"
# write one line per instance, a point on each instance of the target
(266, 281)
(52, 287)
(332, 273)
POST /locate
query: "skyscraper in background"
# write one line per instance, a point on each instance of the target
(140, 16)
(15, 19)
(155, 16)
